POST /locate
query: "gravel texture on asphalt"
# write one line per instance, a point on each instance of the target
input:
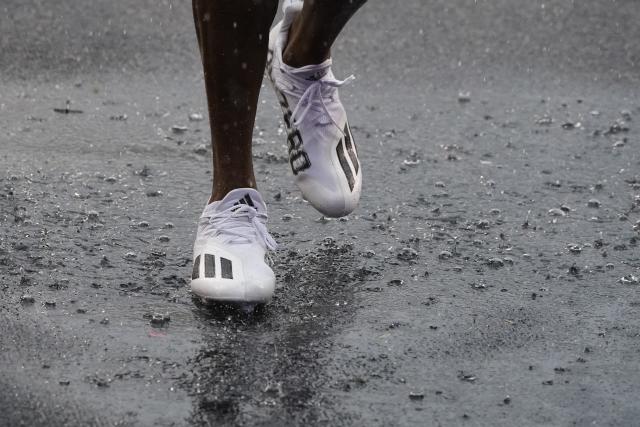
(489, 277)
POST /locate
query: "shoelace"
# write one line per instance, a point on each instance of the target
(313, 99)
(241, 223)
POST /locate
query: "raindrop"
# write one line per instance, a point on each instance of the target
(201, 149)
(593, 203)
(495, 263)
(92, 215)
(544, 121)
(178, 129)
(395, 282)
(369, 254)
(574, 248)
(329, 241)
(407, 254)
(630, 279)
(412, 160)
(466, 377)
(158, 319)
(409, 162)
(482, 224)
(464, 97)
(616, 128)
(27, 299)
(274, 389)
(557, 212)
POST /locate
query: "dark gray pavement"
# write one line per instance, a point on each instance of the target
(489, 277)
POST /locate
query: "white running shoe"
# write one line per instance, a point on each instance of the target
(228, 255)
(322, 153)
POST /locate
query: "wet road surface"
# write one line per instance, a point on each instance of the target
(489, 277)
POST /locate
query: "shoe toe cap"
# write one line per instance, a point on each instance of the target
(260, 283)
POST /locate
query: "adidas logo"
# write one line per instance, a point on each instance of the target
(246, 200)
(317, 75)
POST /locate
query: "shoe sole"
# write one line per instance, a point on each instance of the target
(229, 293)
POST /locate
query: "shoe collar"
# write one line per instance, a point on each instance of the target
(237, 197)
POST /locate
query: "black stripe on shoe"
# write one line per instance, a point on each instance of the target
(227, 268)
(209, 266)
(196, 268)
(249, 201)
(351, 147)
(345, 164)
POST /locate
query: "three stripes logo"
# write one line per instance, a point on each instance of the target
(226, 267)
(246, 200)
(346, 147)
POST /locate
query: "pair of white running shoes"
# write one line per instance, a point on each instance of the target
(232, 239)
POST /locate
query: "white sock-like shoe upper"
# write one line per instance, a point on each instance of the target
(229, 251)
(322, 152)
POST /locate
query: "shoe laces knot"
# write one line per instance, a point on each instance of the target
(314, 99)
(241, 223)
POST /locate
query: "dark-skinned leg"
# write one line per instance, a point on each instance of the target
(315, 30)
(233, 37)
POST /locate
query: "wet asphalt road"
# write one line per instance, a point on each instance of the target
(489, 277)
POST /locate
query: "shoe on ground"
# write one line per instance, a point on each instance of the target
(229, 251)
(322, 152)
